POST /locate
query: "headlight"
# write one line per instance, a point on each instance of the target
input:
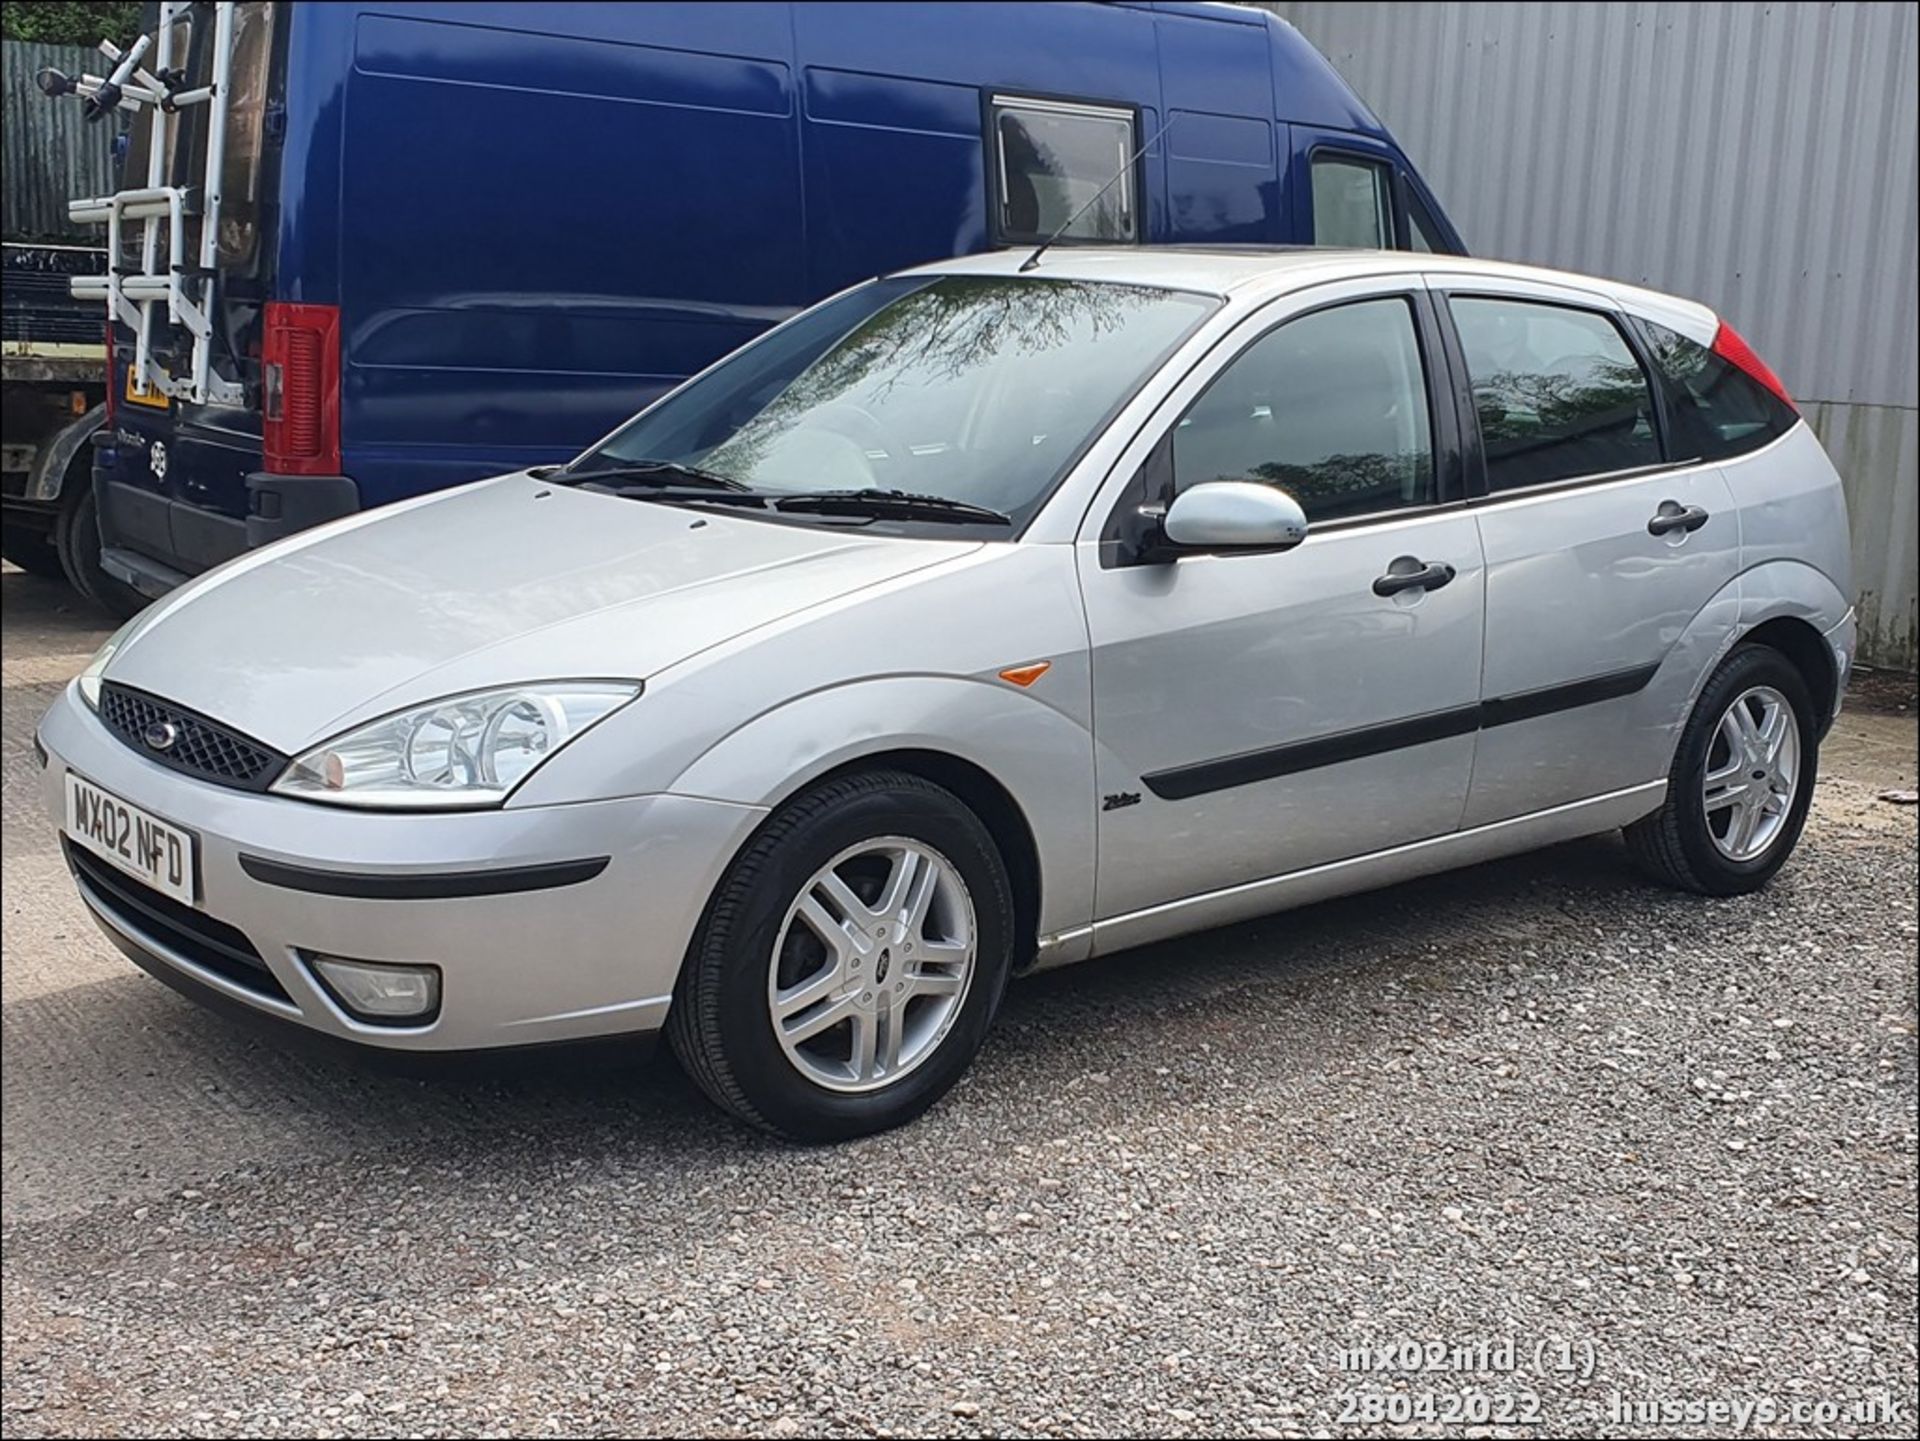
(467, 750)
(90, 677)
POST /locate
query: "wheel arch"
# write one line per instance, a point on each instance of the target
(47, 482)
(987, 797)
(1793, 607)
(1025, 768)
(1803, 645)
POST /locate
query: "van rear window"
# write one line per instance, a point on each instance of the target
(1716, 410)
(240, 177)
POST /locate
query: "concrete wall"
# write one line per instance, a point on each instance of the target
(1761, 158)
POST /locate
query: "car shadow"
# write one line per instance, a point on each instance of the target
(153, 1051)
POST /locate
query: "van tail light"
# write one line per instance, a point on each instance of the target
(113, 379)
(300, 384)
(1728, 345)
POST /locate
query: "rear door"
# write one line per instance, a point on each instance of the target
(1601, 553)
(1263, 713)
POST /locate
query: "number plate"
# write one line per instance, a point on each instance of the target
(142, 845)
(136, 396)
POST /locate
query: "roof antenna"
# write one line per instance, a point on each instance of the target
(1132, 160)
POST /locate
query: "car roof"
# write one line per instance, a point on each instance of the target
(1265, 271)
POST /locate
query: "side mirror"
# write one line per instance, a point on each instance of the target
(1234, 515)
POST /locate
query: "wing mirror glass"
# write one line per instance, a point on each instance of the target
(1234, 515)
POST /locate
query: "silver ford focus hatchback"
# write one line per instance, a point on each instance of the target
(983, 618)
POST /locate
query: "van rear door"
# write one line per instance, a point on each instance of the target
(173, 488)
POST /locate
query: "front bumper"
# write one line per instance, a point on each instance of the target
(532, 966)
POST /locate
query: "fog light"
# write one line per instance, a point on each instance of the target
(378, 992)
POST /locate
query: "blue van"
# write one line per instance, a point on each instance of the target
(453, 240)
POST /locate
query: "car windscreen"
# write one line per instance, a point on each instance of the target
(978, 389)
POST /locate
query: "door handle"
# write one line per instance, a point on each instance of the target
(1673, 516)
(1407, 573)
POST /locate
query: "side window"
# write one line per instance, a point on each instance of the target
(1352, 202)
(1557, 391)
(1717, 410)
(1051, 158)
(1332, 408)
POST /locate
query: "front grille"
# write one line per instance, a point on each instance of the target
(201, 748)
(212, 945)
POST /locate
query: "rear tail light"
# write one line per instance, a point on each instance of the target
(1728, 345)
(300, 383)
(113, 378)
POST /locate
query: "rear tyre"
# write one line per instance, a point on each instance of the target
(32, 550)
(1741, 782)
(850, 961)
(77, 539)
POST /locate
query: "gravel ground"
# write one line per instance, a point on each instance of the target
(1539, 1099)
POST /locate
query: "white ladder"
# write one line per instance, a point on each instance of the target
(167, 275)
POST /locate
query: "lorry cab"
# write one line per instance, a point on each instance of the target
(395, 248)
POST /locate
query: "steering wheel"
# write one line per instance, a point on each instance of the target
(860, 425)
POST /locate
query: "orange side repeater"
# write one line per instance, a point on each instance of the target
(1025, 675)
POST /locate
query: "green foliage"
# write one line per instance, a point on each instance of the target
(70, 22)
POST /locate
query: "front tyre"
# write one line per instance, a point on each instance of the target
(1741, 782)
(850, 962)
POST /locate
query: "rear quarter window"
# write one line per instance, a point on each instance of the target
(1715, 409)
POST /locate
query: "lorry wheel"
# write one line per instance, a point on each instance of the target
(32, 550)
(77, 538)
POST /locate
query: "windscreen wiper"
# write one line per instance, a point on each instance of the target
(656, 472)
(888, 504)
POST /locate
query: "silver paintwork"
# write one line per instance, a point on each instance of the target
(1364, 873)
(1235, 514)
(1220, 655)
(504, 578)
(1577, 588)
(774, 654)
(507, 980)
(887, 977)
(1752, 774)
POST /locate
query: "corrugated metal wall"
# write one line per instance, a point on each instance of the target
(1761, 158)
(51, 155)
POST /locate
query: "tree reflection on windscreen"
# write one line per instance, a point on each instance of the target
(979, 389)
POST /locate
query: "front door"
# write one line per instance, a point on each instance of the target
(1258, 714)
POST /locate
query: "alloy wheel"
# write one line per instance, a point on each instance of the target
(1752, 773)
(872, 964)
